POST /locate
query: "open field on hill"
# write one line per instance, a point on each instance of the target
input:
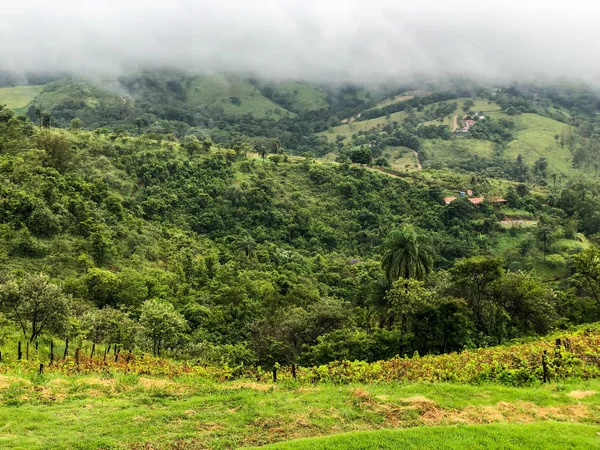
(19, 97)
(535, 138)
(235, 96)
(304, 96)
(119, 410)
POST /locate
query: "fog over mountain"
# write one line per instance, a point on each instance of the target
(322, 40)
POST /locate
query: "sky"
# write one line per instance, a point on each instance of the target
(326, 40)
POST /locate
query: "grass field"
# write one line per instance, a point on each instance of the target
(535, 139)
(19, 97)
(306, 97)
(441, 152)
(131, 411)
(539, 436)
(220, 91)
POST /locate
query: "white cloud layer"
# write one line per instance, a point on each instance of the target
(335, 40)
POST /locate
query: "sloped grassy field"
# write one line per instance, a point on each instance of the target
(145, 403)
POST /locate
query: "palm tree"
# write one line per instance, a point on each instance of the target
(545, 233)
(275, 145)
(47, 120)
(407, 254)
(138, 124)
(38, 114)
(246, 245)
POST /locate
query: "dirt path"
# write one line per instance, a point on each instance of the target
(455, 124)
(419, 166)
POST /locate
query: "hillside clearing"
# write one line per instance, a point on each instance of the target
(19, 97)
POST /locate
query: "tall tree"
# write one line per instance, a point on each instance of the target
(161, 323)
(407, 254)
(35, 304)
(545, 233)
(38, 114)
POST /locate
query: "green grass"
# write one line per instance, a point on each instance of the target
(400, 157)
(124, 410)
(19, 97)
(217, 91)
(351, 128)
(304, 96)
(542, 436)
(441, 152)
(534, 139)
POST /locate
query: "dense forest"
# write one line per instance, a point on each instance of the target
(209, 239)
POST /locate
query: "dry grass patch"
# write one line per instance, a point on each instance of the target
(253, 386)
(581, 394)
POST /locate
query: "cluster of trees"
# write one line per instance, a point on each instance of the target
(38, 305)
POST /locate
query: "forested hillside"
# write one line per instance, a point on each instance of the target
(184, 246)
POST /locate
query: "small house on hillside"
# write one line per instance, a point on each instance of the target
(448, 200)
(476, 200)
(498, 201)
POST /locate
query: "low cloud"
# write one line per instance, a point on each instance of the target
(327, 40)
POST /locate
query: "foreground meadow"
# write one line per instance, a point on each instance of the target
(129, 411)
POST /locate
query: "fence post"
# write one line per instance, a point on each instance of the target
(117, 355)
(19, 353)
(41, 369)
(51, 352)
(66, 348)
(294, 372)
(93, 350)
(545, 367)
(274, 374)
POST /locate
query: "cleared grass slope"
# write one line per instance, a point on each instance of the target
(232, 95)
(19, 97)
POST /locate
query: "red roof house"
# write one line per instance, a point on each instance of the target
(469, 123)
(498, 200)
(476, 200)
(448, 200)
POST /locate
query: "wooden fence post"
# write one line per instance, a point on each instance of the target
(274, 374)
(19, 353)
(51, 352)
(545, 367)
(66, 348)
(294, 372)
(93, 350)
(41, 369)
